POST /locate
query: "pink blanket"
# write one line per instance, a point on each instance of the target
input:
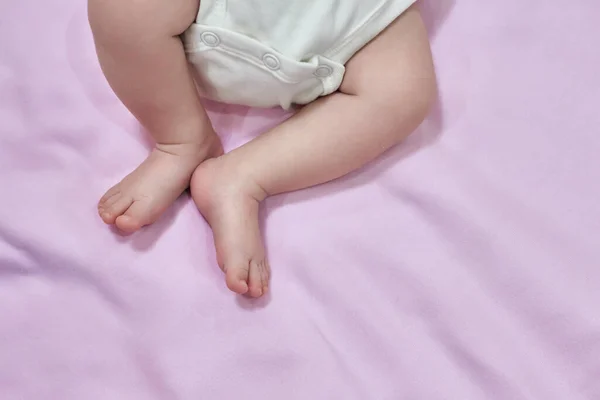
(463, 265)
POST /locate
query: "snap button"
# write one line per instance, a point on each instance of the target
(323, 71)
(271, 62)
(210, 39)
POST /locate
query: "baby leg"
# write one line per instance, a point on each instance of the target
(143, 60)
(387, 92)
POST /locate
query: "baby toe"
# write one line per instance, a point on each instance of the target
(110, 214)
(258, 281)
(113, 191)
(236, 277)
(107, 201)
(134, 217)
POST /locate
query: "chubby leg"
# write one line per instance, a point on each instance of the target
(387, 92)
(144, 62)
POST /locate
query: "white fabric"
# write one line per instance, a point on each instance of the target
(267, 53)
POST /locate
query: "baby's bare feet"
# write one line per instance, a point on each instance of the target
(143, 195)
(229, 203)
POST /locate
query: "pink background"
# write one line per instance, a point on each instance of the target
(463, 265)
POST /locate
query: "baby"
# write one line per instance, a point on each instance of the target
(363, 69)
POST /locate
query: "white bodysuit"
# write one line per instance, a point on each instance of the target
(267, 53)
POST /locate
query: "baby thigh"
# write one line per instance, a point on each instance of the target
(395, 71)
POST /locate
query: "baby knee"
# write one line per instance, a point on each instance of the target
(106, 17)
(143, 17)
(425, 95)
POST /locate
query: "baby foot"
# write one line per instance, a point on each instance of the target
(230, 205)
(142, 196)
